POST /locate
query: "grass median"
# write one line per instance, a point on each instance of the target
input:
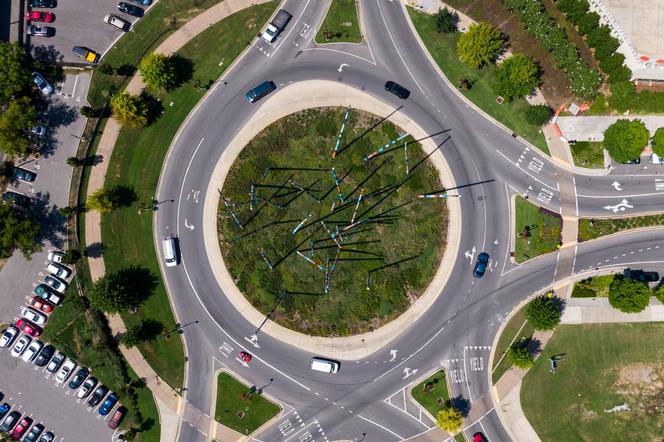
(538, 231)
(442, 48)
(433, 395)
(588, 154)
(136, 162)
(516, 329)
(341, 24)
(594, 228)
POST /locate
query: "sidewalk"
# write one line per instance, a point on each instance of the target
(599, 311)
(167, 400)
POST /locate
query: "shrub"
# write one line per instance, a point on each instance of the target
(131, 110)
(622, 73)
(103, 201)
(626, 139)
(612, 62)
(519, 355)
(659, 293)
(106, 69)
(74, 161)
(628, 296)
(538, 115)
(449, 419)
(517, 77)
(71, 256)
(480, 45)
(657, 142)
(543, 313)
(623, 95)
(588, 22)
(87, 111)
(446, 20)
(158, 71)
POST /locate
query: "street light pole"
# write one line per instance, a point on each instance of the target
(282, 296)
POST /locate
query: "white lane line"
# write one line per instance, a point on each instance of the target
(576, 197)
(380, 426)
(291, 29)
(619, 196)
(470, 395)
(509, 228)
(527, 173)
(340, 52)
(479, 179)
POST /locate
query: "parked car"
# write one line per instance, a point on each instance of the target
(19, 199)
(44, 292)
(40, 304)
(117, 22)
(108, 404)
(32, 350)
(10, 421)
(131, 9)
(479, 437)
(56, 362)
(98, 395)
(44, 355)
(43, 16)
(58, 270)
(41, 3)
(32, 315)
(21, 345)
(8, 336)
(34, 433)
(42, 84)
(397, 89)
(55, 283)
(20, 429)
(481, 265)
(640, 275)
(65, 371)
(47, 437)
(55, 256)
(143, 2)
(39, 131)
(87, 387)
(28, 327)
(656, 159)
(86, 54)
(78, 378)
(4, 409)
(117, 418)
(24, 174)
(40, 30)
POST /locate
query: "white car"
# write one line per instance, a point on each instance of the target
(656, 159)
(87, 387)
(117, 22)
(56, 284)
(33, 315)
(55, 256)
(58, 270)
(39, 131)
(20, 345)
(32, 350)
(65, 371)
(8, 336)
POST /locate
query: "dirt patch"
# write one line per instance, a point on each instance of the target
(644, 385)
(638, 374)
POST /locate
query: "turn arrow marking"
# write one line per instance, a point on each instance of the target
(341, 66)
(616, 185)
(188, 226)
(393, 355)
(407, 372)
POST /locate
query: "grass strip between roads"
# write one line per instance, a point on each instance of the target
(432, 394)
(538, 231)
(588, 154)
(606, 368)
(241, 407)
(594, 228)
(341, 24)
(516, 329)
(136, 162)
(595, 287)
(442, 48)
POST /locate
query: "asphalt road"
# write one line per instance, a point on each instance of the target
(362, 401)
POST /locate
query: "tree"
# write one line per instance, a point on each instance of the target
(71, 256)
(17, 232)
(131, 337)
(538, 115)
(543, 313)
(158, 71)
(659, 293)
(519, 355)
(103, 201)
(144, 331)
(87, 111)
(626, 139)
(446, 20)
(480, 45)
(109, 294)
(74, 162)
(628, 295)
(67, 211)
(14, 70)
(449, 419)
(517, 77)
(106, 69)
(15, 123)
(588, 22)
(131, 110)
(657, 142)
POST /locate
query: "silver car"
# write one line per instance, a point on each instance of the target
(42, 84)
(8, 336)
(21, 345)
(40, 31)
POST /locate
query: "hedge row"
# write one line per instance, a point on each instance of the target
(598, 37)
(552, 37)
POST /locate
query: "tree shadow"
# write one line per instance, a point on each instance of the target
(462, 404)
(139, 282)
(93, 160)
(184, 69)
(94, 250)
(125, 196)
(53, 228)
(533, 345)
(560, 303)
(126, 70)
(155, 107)
(46, 59)
(150, 329)
(147, 424)
(61, 114)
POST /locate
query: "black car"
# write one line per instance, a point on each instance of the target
(42, 3)
(44, 355)
(397, 90)
(36, 431)
(79, 378)
(47, 437)
(640, 275)
(4, 409)
(97, 396)
(131, 9)
(16, 198)
(24, 174)
(10, 421)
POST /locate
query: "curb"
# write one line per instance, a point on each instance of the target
(360, 21)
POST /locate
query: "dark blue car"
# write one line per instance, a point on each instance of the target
(481, 265)
(108, 404)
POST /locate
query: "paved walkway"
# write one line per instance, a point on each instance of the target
(167, 400)
(598, 310)
(591, 128)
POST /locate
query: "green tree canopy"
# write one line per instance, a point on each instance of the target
(15, 123)
(17, 232)
(124, 289)
(480, 45)
(103, 200)
(628, 295)
(626, 139)
(158, 71)
(517, 77)
(449, 419)
(538, 114)
(446, 20)
(659, 293)
(14, 70)
(543, 313)
(519, 355)
(131, 110)
(657, 142)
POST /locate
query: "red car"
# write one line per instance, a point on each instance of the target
(21, 428)
(117, 417)
(479, 437)
(28, 327)
(42, 16)
(244, 356)
(41, 305)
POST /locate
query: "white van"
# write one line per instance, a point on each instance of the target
(170, 254)
(324, 365)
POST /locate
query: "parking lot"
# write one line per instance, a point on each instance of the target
(78, 23)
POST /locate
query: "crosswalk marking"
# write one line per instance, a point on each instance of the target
(659, 184)
(536, 165)
(545, 195)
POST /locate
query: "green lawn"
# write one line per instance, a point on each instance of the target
(442, 48)
(430, 398)
(516, 329)
(595, 287)
(538, 231)
(341, 24)
(594, 228)
(588, 154)
(605, 365)
(136, 163)
(231, 404)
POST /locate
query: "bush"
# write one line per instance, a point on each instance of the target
(158, 71)
(71, 256)
(588, 22)
(659, 293)
(519, 355)
(628, 296)
(543, 313)
(449, 419)
(600, 38)
(74, 162)
(103, 201)
(517, 77)
(612, 62)
(446, 20)
(131, 110)
(87, 111)
(622, 73)
(657, 142)
(538, 115)
(623, 95)
(480, 45)
(625, 139)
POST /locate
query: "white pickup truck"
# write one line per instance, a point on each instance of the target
(277, 25)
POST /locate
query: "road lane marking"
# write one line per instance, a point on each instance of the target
(527, 173)
(380, 426)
